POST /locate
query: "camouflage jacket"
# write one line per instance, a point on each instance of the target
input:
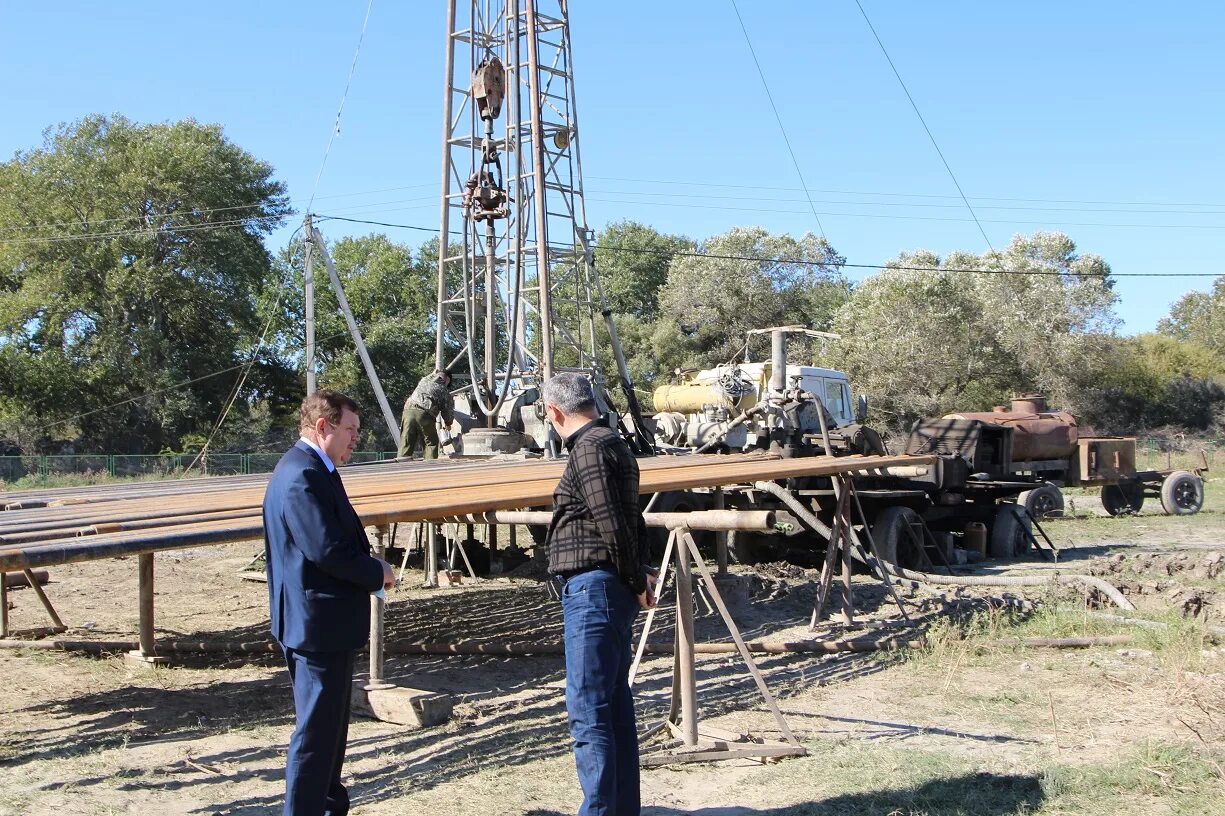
(432, 396)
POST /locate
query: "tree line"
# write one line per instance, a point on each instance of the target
(140, 304)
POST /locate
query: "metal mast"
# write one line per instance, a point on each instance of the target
(518, 295)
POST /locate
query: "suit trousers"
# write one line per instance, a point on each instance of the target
(322, 691)
(598, 611)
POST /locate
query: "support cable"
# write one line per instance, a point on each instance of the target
(761, 75)
(923, 122)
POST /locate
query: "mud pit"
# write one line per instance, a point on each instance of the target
(957, 730)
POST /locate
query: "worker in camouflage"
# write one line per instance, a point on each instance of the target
(419, 424)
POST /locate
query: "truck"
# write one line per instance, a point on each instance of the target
(995, 473)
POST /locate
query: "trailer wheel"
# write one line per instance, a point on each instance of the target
(1123, 498)
(1182, 493)
(1010, 532)
(898, 539)
(1044, 500)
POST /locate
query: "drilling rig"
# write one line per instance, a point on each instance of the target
(519, 299)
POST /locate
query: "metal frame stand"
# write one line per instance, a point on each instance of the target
(382, 700)
(842, 539)
(146, 656)
(57, 624)
(691, 742)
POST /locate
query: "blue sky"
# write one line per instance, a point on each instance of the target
(1100, 119)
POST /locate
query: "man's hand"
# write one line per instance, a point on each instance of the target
(647, 599)
(389, 575)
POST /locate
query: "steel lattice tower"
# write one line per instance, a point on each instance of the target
(518, 294)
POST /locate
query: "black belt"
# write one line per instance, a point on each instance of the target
(568, 574)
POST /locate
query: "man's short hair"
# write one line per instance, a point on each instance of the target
(326, 404)
(571, 393)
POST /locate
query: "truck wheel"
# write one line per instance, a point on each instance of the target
(1010, 532)
(1123, 498)
(1182, 493)
(749, 547)
(898, 539)
(678, 501)
(1044, 500)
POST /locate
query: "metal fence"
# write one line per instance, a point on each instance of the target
(1151, 454)
(13, 468)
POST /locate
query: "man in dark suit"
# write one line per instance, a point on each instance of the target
(320, 576)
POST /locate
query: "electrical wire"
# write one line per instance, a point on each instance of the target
(210, 225)
(174, 387)
(923, 122)
(899, 217)
(336, 126)
(762, 76)
(802, 261)
(676, 182)
(203, 210)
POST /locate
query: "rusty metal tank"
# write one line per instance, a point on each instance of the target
(1037, 432)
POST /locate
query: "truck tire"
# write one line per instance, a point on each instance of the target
(749, 547)
(898, 540)
(1123, 498)
(1010, 532)
(1182, 493)
(1043, 501)
(678, 501)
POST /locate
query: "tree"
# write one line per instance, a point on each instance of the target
(131, 262)
(744, 279)
(932, 338)
(393, 301)
(1154, 380)
(1199, 317)
(632, 260)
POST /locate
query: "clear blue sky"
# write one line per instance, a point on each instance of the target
(1108, 117)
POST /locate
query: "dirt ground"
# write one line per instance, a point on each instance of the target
(965, 726)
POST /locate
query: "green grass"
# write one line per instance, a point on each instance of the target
(856, 777)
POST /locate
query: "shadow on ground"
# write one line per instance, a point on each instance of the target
(509, 710)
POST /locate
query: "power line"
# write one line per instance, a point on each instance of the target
(336, 126)
(803, 261)
(923, 121)
(174, 387)
(902, 203)
(761, 75)
(897, 217)
(675, 182)
(209, 225)
(195, 211)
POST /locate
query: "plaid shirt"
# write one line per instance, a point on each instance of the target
(596, 519)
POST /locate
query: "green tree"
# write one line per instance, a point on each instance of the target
(1153, 380)
(931, 339)
(748, 279)
(1199, 317)
(131, 260)
(632, 260)
(393, 301)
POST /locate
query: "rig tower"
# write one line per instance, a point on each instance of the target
(518, 295)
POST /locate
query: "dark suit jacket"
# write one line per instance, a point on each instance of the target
(320, 571)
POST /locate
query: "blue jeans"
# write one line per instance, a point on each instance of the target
(598, 610)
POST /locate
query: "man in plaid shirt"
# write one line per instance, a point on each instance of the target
(598, 545)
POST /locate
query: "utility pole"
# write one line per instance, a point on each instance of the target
(393, 427)
(518, 295)
(309, 279)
